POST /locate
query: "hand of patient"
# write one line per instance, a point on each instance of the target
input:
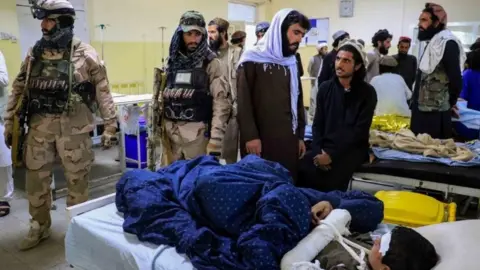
(320, 211)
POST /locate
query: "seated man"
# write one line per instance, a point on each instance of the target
(392, 91)
(345, 107)
(401, 249)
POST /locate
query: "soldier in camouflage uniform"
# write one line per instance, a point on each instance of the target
(196, 102)
(63, 81)
(229, 55)
(439, 79)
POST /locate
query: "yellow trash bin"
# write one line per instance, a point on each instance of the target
(414, 210)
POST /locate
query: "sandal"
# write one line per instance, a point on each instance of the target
(4, 209)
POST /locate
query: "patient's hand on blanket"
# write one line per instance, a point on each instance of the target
(320, 211)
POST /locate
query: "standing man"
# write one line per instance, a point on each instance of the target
(6, 172)
(260, 30)
(345, 108)
(61, 81)
(313, 71)
(393, 93)
(439, 79)
(316, 61)
(196, 102)
(381, 41)
(229, 56)
(407, 64)
(238, 39)
(271, 115)
(327, 71)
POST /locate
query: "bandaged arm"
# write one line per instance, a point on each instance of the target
(450, 61)
(222, 107)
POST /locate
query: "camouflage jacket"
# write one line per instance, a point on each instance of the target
(221, 106)
(78, 120)
(434, 93)
(230, 57)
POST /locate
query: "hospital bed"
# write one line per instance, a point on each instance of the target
(447, 179)
(95, 241)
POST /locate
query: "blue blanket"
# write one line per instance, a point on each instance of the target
(241, 216)
(385, 153)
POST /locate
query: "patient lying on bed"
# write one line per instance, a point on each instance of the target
(401, 249)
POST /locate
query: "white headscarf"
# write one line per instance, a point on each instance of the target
(269, 51)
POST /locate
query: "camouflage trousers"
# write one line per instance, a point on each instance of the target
(187, 140)
(231, 142)
(41, 150)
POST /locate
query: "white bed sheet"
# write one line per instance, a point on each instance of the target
(95, 241)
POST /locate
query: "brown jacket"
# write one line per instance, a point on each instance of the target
(264, 112)
(230, 57)
(87, 67)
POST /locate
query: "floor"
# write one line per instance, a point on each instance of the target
(50, 254)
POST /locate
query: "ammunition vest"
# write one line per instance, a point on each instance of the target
(187, 95)
(433, 92)
(48, 85)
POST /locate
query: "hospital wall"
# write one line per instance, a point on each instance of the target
(9, 48)
(398, 16)
(133, 40)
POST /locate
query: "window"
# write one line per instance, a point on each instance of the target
(241, 12)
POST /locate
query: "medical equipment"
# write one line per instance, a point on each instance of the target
(414, 210)
(102, 27)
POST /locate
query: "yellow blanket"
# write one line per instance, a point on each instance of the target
(404, 140)
(390, 122)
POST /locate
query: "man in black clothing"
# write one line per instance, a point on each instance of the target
(328, 66)
(345, 108)
(407, 64)
(439, 79)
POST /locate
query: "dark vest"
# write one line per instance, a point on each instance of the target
(48, 85)
(187, 95)
(434, 94)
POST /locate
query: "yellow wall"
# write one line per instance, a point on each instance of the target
(133, 41)
(133, 44)
(371, 15)
(8, 24)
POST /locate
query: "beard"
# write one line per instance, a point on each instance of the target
(215, 44)
(288, 50)
(383, 50)
(427, 34)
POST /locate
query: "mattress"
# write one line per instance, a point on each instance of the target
(432, 172)
(95, 241)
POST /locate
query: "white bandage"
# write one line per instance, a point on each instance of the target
(385, 243)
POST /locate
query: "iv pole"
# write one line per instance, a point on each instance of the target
(102, 27)
(163, 28)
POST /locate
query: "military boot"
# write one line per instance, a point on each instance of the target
(36, 234)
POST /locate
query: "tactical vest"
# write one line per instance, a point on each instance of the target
(187, 95)
(48, 85)
(433, 93)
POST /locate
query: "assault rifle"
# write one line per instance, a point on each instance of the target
(156, 125)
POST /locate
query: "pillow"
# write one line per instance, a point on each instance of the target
(457, 244)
